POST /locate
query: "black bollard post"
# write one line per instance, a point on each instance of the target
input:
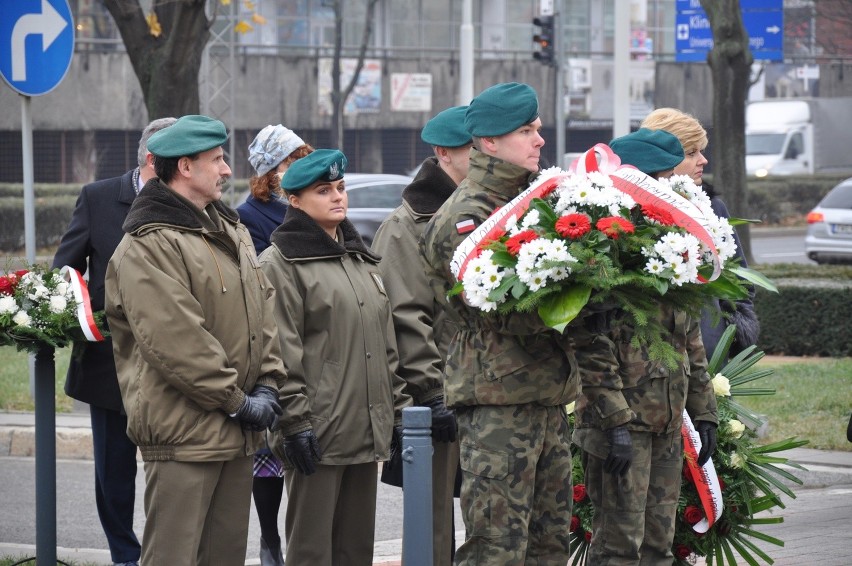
(417, 486)
(45, 456)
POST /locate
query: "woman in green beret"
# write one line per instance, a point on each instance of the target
(336, 332)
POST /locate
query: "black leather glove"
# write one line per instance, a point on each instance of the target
(444, 427)
(620, 450)
(601, 322)
(260, 409)
(396, 448)
(302, 449)
(707, 434)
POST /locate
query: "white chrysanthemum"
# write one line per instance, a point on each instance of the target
(655, 266)
(543, 260)
(58, 304)
(511, 222)
(8, 305)
(531, 218)
(736, 427)
(737, 461)
(721, 385)
(21, 318)
(30, 278)
(479, 299)
(38, 292)
(492, 276)
(550, 172)
(62, 288)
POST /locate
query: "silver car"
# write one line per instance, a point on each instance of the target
(372, 197)
(829, 236)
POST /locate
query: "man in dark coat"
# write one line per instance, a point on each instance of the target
(91, 238)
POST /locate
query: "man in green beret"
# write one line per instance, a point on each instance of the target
(508, 377)
(196, 350)
(422, 331)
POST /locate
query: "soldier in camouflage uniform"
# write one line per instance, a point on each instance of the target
(508, 377)
(629, 423)
(422, 334)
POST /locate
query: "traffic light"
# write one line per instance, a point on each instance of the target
(544, 38)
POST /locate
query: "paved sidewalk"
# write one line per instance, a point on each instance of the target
(815, 527)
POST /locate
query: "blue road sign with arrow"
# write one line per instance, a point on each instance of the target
(36, 44)
(694, 38)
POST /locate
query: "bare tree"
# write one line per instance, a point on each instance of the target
(730, 63)
(167, 59)
(338, 97)
(833, 19)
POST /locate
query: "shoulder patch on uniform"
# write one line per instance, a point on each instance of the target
(465, 226)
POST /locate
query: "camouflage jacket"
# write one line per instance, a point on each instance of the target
(646, 395)
(495, 359)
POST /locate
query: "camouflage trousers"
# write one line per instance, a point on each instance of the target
(516, 492)
(634, 519)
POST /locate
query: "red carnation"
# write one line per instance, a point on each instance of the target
(664, 217)
(21, 272)
(721, 484)
(682, 551)
(687, 475)
(613, 226)
(513, 244)
(575, 523)
(579, 492)
(692, 514)
(588, 536)
(573, 225)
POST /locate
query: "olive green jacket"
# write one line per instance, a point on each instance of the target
(190, 315)
(337, 341)
(422, 331)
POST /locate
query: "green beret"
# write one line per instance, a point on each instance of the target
(191, 134)
(650, 151)
(319, 165)
(501, 109)
(446, 128)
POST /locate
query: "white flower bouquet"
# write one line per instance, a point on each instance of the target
(40, 306)
(607, 236)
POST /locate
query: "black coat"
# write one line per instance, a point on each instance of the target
(92, 236)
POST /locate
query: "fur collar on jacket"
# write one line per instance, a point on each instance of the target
(429, 189)
(300, 237)
(158, 204)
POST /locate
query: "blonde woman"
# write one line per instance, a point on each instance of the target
(693, 139)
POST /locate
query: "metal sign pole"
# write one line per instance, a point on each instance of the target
(29, 197)
(559, 38)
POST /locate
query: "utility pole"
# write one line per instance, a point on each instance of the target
(549, 39)
(466, 54)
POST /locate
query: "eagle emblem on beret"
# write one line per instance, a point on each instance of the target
(333, 171)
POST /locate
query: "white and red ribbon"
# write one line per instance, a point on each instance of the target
(495, 225)
(704, 477)
(84, 304)
(644, 189)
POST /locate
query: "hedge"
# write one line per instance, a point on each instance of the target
(52, 215)
(777, 200)
(810, 315)
(54, 205)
